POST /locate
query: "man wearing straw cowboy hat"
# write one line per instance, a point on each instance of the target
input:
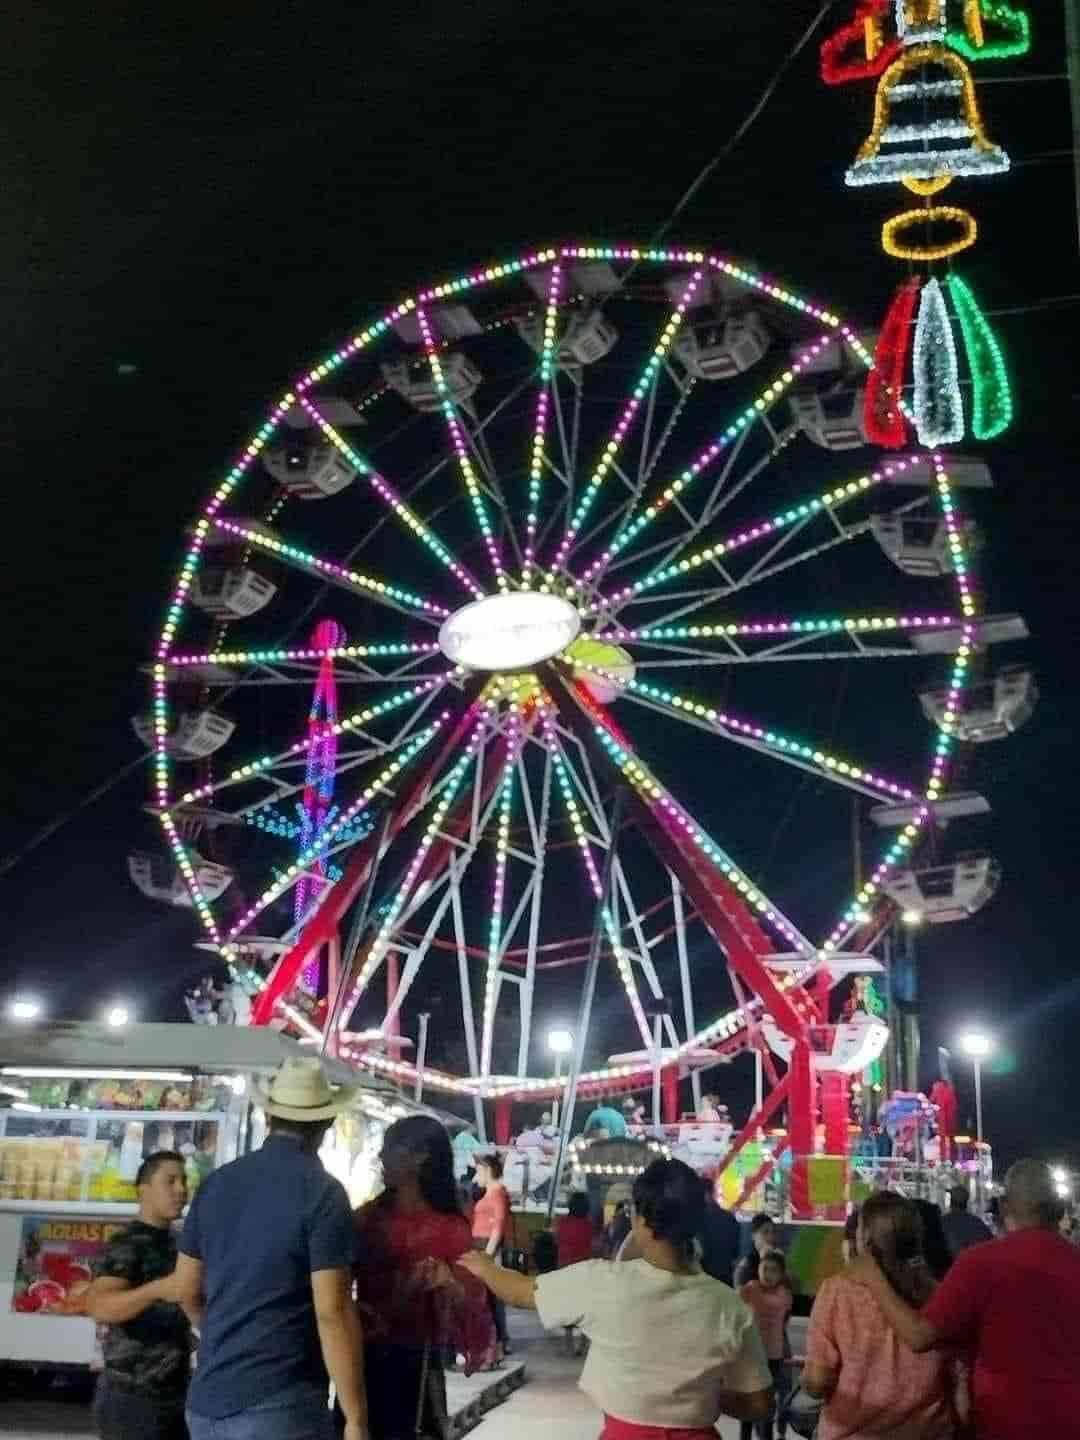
(265, 1273)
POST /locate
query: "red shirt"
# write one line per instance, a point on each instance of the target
(1016, 1303)
(574, 1235)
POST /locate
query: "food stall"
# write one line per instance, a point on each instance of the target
(82, 1105)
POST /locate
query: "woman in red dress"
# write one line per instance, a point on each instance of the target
(415, 1299)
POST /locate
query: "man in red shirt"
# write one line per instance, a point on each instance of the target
(1014, 1305)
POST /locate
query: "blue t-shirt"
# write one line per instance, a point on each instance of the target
(261, 1225)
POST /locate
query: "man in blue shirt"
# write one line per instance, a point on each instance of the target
(265, 1273)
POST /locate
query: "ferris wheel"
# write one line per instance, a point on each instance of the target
(513, 613)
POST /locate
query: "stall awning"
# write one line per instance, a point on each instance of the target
(207, 1049)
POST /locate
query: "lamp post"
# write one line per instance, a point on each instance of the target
(117, 1016)
(977, 1045)
(24, 1008)
(560, 1042)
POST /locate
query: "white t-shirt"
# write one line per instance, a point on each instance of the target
(663, 1347)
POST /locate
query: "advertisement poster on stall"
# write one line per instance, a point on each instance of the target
(55, 1263)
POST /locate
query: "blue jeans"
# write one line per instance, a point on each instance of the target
(299, 1413)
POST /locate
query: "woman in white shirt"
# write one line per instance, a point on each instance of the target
(671, 1348)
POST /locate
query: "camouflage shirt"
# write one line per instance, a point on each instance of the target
(151, 1353)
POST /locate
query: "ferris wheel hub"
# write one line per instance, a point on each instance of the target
(510, 631)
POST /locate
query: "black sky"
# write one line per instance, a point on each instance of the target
(214, 195)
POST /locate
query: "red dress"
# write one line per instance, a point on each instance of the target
(398, 1306)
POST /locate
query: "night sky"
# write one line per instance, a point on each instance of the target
(197, 202)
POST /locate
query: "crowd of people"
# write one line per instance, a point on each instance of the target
(931, 1331)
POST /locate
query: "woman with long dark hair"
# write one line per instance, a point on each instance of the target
(874, 1386)
(671, 1348)
(416, 1300)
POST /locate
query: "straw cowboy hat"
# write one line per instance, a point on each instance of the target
(300, 1091)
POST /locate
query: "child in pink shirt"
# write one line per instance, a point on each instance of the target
(769, 1297)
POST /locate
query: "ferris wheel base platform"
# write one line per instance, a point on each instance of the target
(470, 1397)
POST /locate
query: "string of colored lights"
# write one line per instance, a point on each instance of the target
(991, 402)
(327, 652)
(488, 708)
(812, 625)
(380, 589)
(389, 495)
(623, 963)
(856, 913)
(547, 378)
(762, 529)
(513, 741)
(656, 795)
(461, 449)
(321, 843)
(351, 722)
(724, 723)
(611, 449)
(631, 527)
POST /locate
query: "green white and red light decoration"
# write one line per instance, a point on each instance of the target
(920, 53)
(504, 709)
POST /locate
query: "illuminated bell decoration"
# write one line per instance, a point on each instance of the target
(883, 417)
(992, 30)
(858, 50)
(920, 20)
(903, 144)
(939, 407)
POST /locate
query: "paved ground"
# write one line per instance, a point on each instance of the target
(549, 1402)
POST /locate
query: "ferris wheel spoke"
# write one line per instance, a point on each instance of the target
(654, 793)
(262, 768)
(775, 528)
(495, 922)
(613, 445)
(568, 431)
(565, 786)
(765, 740)
(649, 457)
(545, 383)
(705, 458)
(312, 853)
(460, 444)
(373, 588)
(390, 497)
(797, 639)
(960, 678)
(443, 802)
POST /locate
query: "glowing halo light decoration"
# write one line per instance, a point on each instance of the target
(546, 551)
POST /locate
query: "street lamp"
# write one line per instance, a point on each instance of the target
(1059, 1175)
(912, 917)
(560, 1042)
(977, 1045)
(117, 1016)
(25, 1008)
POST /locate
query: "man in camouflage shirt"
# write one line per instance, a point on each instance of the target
(148, 1340)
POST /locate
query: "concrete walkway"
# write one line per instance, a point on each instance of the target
(549, 1403)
